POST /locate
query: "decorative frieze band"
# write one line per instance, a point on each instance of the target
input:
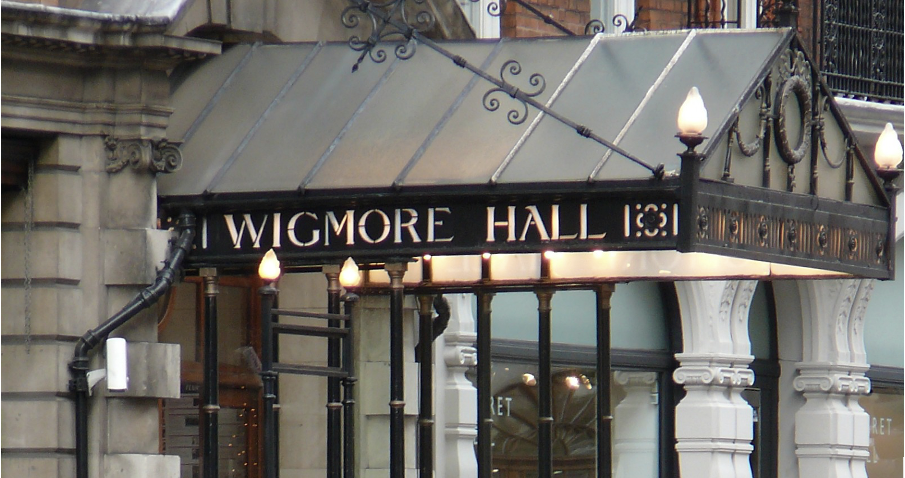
(158, 156)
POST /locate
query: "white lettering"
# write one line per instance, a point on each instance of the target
(236, 235)
(362, 226)
(290, 230)
(538, 222)
(583, 225)
(276, 230)
(432, 222)
(492, 224)
(409, 225)
(337, 226)
(554, 226)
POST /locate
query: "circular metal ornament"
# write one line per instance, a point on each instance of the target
(763, 230)
(797, 86)
(703, 222)
(822, 239)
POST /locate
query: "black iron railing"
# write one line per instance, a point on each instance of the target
(858, 43)
(862, 44)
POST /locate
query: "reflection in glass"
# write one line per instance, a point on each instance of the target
(885, 405)
(514, 410)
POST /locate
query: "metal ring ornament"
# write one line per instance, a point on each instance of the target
(794, 85)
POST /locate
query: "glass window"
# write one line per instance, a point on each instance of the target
(885, 405)
(883, 324)
(636, 421)
(637, 317)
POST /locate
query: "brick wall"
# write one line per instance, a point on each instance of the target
(518, 22)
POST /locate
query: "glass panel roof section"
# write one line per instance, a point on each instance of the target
(273, 118)
(475, 141)
(396, 121)
(604, 93)
(232, 116)
(713, 64)
(304, 124)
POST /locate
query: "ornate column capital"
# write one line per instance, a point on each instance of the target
(846, 379)
(157, 156)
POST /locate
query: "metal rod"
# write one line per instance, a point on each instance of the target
(268, 294)
(426, 408)
(397, 378)
(485, 421)
(604, 414)
(308, 315)
(548, 19)
(334, 406)
(210, 388)
(349, 300)
(545, 385)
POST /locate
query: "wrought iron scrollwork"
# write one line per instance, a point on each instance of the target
(594, 27)
(620, 20)
(380, 14)
(514, 68)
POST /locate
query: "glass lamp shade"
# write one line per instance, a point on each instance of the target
(349, 276)
(692, 118)
(888, 150)
(269, 269)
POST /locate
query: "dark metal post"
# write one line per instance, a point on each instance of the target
(545, 385)
(426, 405)
(210, 389)
(268, 294)
(397, 378)
(349, 300)
(604, 414)
(334, 406)
(485, 421)
(689, 176)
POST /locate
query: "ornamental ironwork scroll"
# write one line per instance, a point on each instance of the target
(492, 103)
(397, 22)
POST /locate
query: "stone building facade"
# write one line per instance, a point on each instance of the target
(87, 96)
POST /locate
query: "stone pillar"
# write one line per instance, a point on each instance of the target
(636, 447)
(714, 424)
(456, 416)
(832, 431)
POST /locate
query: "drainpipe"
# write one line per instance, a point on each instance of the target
(78, 368)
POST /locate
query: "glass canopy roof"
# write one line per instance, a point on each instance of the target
(294, 117)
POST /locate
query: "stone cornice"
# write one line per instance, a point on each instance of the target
(26, 28)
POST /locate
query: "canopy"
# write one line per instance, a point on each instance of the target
(293, 130)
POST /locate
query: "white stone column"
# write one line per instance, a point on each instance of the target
(832, 431)
(636, 445)
(714, 424)
(457, 413)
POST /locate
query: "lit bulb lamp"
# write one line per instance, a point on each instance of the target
(888, 155)
(692, 121)
(269, 269)
(350, 276)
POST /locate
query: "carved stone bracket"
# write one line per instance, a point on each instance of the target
(158, 156)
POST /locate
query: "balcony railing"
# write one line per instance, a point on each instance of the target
(863, 48)
(859, 44)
